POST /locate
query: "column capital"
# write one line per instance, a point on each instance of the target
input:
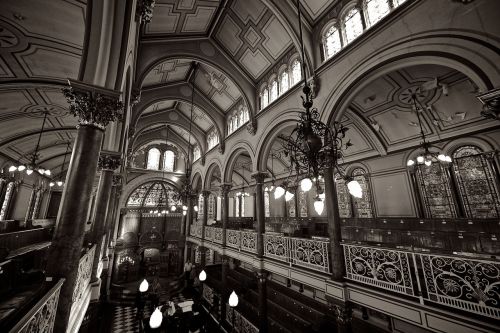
(252, 126)
(109, 160)
(117, 180)
(259, 176)
(144, 10)
(205, 193)
(491, 104)
(92, 105)
(225, 188)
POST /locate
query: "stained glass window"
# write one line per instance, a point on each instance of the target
(363, 206)
(344, 198)
(36, 206)
(435, 190)
(296, 72)
(237, 206)
(211, 210)
(476, 183)
(151, 194)
(267, 208)
(331, 42)
(168, 161)
(212, 139)
(352, 25)
(302, 203)
(153, 159)
(284, 84)
(6, 201)
(153, 197)
(264, 99)
(376, 10)
(200, 207)
(196, 153)
(273, 93)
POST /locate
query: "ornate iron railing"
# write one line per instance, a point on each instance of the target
(208, 294)
(233, 238)
(240, 323)
(249, 241)
(209, 233)
(41, 317)
(383, 268)
(277, 247)
(84, 275)
(218, 235)
(310, 253)
(468, 284)
(195, 230)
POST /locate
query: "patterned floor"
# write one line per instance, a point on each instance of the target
(124, 317)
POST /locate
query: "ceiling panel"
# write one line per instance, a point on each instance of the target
(168, 71)
(199, 117)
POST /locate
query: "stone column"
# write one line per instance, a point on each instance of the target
(224, 193)
(262, 287)
(108, 162)
(205, 212)
(261, 214)
(334, 231)
(189, 219)
(95, 107)
(203, 256)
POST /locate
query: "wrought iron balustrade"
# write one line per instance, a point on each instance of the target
(383, 268)
(209, 233)
(195, 230)
(241, 324)
(468, 284)
(218, 235)
(41, 317)
(310, 253)
(83, 277)
(249, 241)
(277, 247)
(233, 238)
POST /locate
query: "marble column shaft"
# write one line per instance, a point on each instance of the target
(261, 214)
(224, 191)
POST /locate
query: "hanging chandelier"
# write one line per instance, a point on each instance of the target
(59, 181)
(32, 165)
(313, 147)
(429, 154)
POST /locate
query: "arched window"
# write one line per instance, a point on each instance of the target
(352, 25)
(212, 209)
(376, 10)
(212, 139)
(273, 93)
(196, 153)
(6, 201)
(284, 84)
(153, 159)
(296, 72)
(237, 206)
(363, 206)
(264, 99)
(477, 183)
(344, 198)
(241, 117)
(200, 206)
(230, 126)
(246, 116)
(168, 161)
(331, 42)
(267, 209)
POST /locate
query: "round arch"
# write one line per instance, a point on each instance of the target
(212, 166)
(237, 149)
(196, 181)
(146, 178)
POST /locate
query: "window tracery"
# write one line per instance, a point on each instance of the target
(363, 207)
(168, 161)
(273, 93)
(353, 27)
(264, 98)
(376, 10)
(331, 42)
(284, 84)
(296, 72)
(196, 153)
(212, 139)
(238, 117)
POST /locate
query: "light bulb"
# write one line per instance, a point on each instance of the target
(21, 167)
(41, 171)
(271, 188)
(420, 159)
(322, 196)
(355, 189)
(59, 183)
(159, 214)
(143, 287)
(278, 193)
(29, 171)
(202, 276)
(164, 211)
(156, 211)
(184, 208)
(184, 213)
(173, 208)
(288, 196)
(151, 211)
(195, 208)
(306, 184)
(47, 172)
(12, 168)
(428, 162)
(319, 205)
(410, 162)
(51, 184)
(448, 159)
(233, 299)
(441, 157)
(156, 319)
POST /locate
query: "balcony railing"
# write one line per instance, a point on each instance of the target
(240, 323)
(467, 284)
(82, 279)
(41, 317)
(195, 230)
(209, 233)
(19, 239)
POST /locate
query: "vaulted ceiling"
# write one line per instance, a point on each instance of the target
(41, 46)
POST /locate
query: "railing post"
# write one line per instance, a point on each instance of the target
(417, 277)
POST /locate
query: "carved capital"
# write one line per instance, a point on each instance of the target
(135, 97)
(117, 180)
(252, 126)
(491, 104)
(225, 189)
(144, 10)
(94, 106)
(205, 193)
(202, 161)
(222, 147)
(259, 177)
(109, 161)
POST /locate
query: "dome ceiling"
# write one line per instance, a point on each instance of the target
(38, 53)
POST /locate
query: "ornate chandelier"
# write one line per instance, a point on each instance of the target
(32, 166)
(313, 146)
(429, 154)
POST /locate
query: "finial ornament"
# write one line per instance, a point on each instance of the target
(93, 105)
